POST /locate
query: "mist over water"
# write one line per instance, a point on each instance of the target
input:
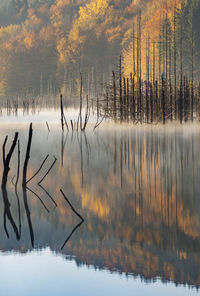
(137, 190)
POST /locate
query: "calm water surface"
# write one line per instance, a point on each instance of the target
(137, 189)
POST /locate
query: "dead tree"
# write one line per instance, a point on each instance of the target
(6, 164)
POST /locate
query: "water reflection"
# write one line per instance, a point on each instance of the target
(137, 189)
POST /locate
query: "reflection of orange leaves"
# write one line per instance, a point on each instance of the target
(169, 269)
(91, 200)
(62, 214)
(97, 205)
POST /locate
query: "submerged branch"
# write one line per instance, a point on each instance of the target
(6, 159)
(7, 211)
(4, 145)
(47, 126)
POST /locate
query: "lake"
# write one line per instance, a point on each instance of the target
(135, 186)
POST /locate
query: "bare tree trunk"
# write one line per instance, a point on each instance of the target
(133, 50)
(27, 155)
(120, 87)
(81, 99)
(192, 74)
(114, 94)
(175, 99)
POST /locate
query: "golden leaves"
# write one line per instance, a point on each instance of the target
(30, 40)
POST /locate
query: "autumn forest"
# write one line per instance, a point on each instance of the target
(45, 44)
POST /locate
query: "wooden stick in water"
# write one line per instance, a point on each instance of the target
(27, 155)
(61, 110)
(47, 126)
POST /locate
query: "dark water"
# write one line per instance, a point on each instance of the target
(137, 189)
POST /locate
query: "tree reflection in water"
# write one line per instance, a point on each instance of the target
(138, 191)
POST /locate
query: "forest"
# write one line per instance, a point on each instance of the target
(44, 45)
